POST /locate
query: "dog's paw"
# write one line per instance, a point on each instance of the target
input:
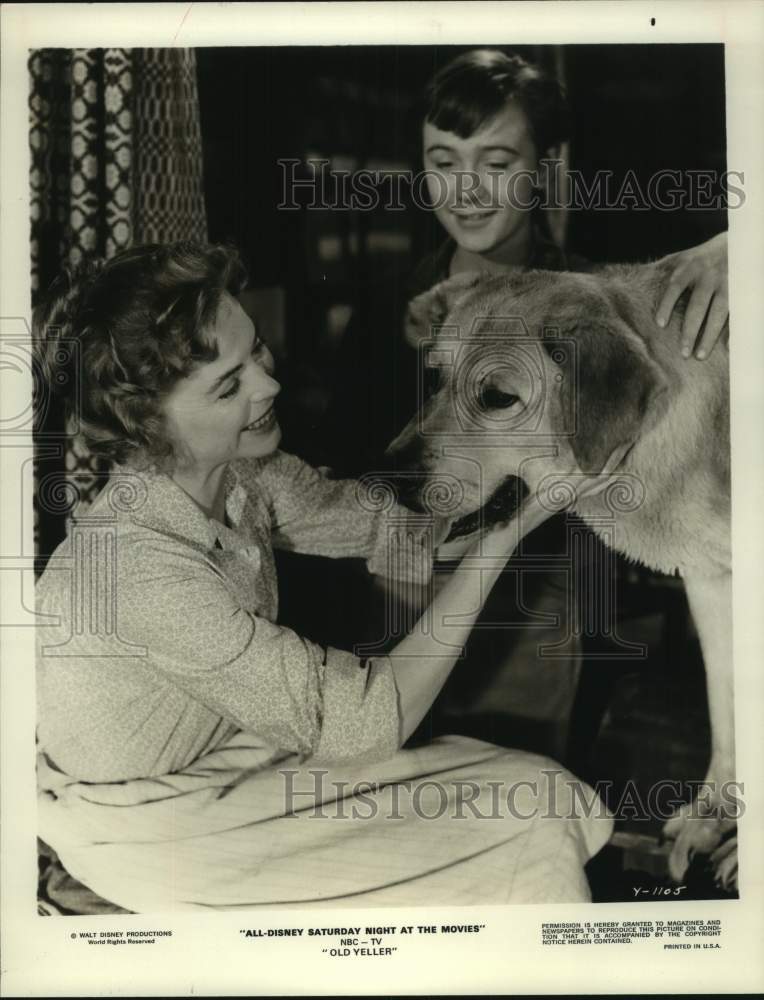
(724, 860)
(692, 836)
(698, 829)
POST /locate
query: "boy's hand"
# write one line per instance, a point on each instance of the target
(704, 270)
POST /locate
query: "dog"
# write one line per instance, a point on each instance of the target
(551, 374)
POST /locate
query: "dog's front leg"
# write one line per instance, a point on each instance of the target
(701, 826)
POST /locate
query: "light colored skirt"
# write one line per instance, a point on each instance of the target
(458, 821)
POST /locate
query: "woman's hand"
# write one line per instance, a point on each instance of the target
(503, 537)
(422, 661)
(543, 504)
(704, 270)
(501, 540)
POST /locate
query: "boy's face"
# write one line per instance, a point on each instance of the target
(476, 184)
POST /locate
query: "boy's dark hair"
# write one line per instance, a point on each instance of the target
(116, 335)
(475, 86)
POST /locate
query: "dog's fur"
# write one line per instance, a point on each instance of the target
(598, 376)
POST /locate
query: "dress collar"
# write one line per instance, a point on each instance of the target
(152, 499)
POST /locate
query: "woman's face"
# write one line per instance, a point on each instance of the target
(224, 408)
(478, 190)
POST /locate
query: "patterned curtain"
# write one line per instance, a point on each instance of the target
(116, 159)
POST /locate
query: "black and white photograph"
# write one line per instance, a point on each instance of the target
(376, 480)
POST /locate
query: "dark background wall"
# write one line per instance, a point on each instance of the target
(645, 108)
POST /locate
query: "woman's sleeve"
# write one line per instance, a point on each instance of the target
(267, 680)
(317, 515)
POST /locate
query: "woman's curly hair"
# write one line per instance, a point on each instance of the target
(138, 324)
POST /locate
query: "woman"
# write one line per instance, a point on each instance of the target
(183, 734)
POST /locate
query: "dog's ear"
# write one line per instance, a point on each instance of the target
(431, 307)
(610, 390)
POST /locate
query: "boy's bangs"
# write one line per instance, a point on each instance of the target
(465, 113)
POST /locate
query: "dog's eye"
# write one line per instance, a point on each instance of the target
(491, 398)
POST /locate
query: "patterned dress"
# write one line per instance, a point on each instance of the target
(162, 639)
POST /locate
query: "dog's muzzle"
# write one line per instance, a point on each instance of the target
(500, 508)
(417, 491)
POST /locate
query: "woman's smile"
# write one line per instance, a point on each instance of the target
(263, 422)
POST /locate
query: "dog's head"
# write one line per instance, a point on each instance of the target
(522, 376)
